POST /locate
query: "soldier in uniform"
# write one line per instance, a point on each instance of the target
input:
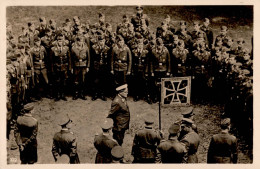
(180, 58)
(101, 25)
(64, 141)
(42, 27)
(121, 61)
(24, 38)
(191, 140)
(197, 32)
(140, 71)
(171, 150)
(32, 33)
(145, 143)
(80, 56)
(110, 36)
(117, 153)
(38, 54)
(223, 35)
(122, 28)
(120, 114)
(139, 18)
(205, 28)
(25, 134)
(223, 146)
(101, 68)
(22, 75)
(166, 36)
(61, 66)
(104, 143)
(183, 34)
(160, 65)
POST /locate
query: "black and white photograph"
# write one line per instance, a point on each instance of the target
(128, 84)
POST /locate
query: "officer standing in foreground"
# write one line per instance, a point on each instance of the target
(223, 146)
(104, 143)
(25, 134)
(145, 143)
(171, 150)
(64, 141)
(191, 140)
(120, 114)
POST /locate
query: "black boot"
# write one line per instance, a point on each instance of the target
(94, 97)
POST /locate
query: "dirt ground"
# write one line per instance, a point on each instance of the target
(87, 115)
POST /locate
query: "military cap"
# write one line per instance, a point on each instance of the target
(120, 38)
(12, 57)
(187, 121)
(60, 37)
(240, 40)
(100, 14)
(139, 41)
(41, 19)
(225, 122)
(183, 23)
(52, 21)
(117, 153)
(164, 23)
(174, 129)
(122, 87)
(180, 43)
(17, 54)
(36, 39)
(108, 24)
(200, 35)
(20, 45)
(223, 28)
(23, 27)
(188, 112)
(138, 35)
(28, 107)
(206, 20)
(148, 119)
(63, 159)
(139, 8)
(79, 38)
(196, 23)
(30, 24)
(159, 41)
(101, 37)
(76, 18)
(67, 20)
(64, 119)
(47, 30)
(124, 16)
(107, 124)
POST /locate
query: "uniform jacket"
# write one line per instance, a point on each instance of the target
(80, 55)
(191, 141)
(14, 72)
(222, 149)
(166, 37)
(38, 56)
(140, 60)
(100, 56)
(209, 35)
(172, 151)
(119, 113)
(161, 61)
(28, 64)
(145, 143)
(104, 145)
(137, 20)
(31, 36)
(184, 35)
(121, 59)
(64, 142)
(61, 58)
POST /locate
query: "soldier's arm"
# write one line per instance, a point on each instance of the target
(114, 108)
(210, 151)
(168, 61)
(17, 135)
(88, 55)
(33, 136)
(54, 151)
(129, 60)
(234, 151)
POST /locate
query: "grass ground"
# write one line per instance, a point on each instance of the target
(87, 115)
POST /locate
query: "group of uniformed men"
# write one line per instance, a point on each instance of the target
(50, 58)
(149, 145)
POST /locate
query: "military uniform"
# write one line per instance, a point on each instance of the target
(25, 134)
(104, 144)
(101, 69)
(38, 54)
(209, 33)
(140, 72)
(61, 65)
(32, 33)
(191, 141)
(160, 66)
(64, 142)
(139, 19)
(121, 63)
(222, 149)
(145, 143)
(80, 56)
(121, 116)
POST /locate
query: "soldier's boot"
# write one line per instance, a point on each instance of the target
(148, 99)
(75, 95)
(103, 97)
(63, 97)
(81, 93)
